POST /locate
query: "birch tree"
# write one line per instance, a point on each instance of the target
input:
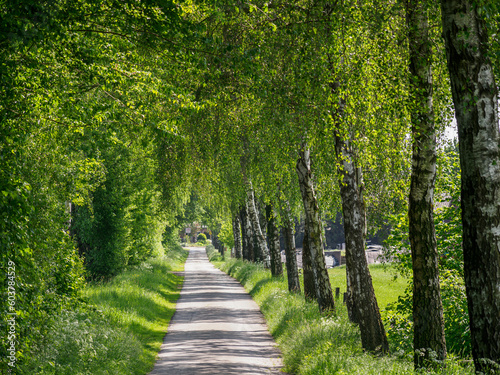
(427, 307)
(290, 250)
(273, 235)
(322, 284)
(475, 97)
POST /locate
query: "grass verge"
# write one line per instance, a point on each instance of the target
(313, 343)
(120, 327)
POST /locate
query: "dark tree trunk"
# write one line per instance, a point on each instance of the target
(246, 235)
(315, 228)
(261, 252)
(261, 211)
(307, 267)
(365, 311)
(428, 324)
(215, 241)
(238, 253)
(361, 295)
(273, 236)
(292, 270)
(475, 96)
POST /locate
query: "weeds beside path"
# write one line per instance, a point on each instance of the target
(312, 343)
(120, 328)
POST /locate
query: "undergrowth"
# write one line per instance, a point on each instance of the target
(119, 326)
(312, 343)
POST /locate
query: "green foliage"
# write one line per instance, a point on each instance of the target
(201, 238)
(226, 234)
(213, 254)
(122, 224)
(398, 318)
(447, 220)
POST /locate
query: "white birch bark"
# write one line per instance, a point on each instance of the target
(261, 249)
(321, 279)
(475, 97)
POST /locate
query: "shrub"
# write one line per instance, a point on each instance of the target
(201, 238)
(213, 254)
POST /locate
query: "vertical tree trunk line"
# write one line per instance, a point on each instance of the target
(428, 322)
(246, 235)
(238, 251)
(292, 270)
(321, 279)
(273, 236)
(475, 97)
(365, 311)
(259, 241)
(307, 266)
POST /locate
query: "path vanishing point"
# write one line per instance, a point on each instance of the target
(217, 328)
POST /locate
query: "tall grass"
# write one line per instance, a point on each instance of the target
(313, 343)
(120, 326)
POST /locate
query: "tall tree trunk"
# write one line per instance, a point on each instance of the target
(261, 211)
(238, 252)
(259, 241)
(475, 96)
(428, 324)
(246, 235)
(365, 311)
(292, 270)
(273, 235)
(313, 223)
(307, 266)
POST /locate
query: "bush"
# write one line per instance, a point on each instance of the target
(201, 238)
(213, 254)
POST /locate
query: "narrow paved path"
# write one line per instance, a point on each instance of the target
(217, 327)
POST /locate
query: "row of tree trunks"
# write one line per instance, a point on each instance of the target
(428, 322)
(314, 226)
(475, 96)
(290, 250)
(273, 236)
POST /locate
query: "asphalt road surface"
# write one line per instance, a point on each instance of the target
(217, 327)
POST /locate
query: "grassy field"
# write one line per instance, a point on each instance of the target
(387, 287)
(120, 328)
(316, 344)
